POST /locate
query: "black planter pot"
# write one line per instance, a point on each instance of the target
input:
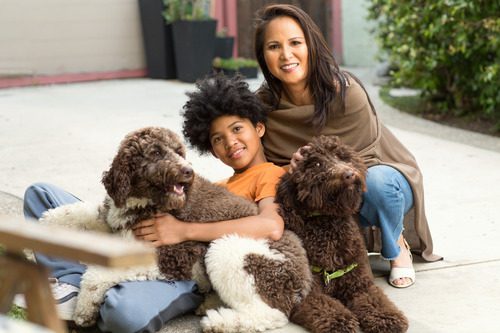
(158, 41)
(224, 47)
(194, 46)
(226, 72)
(248, 72)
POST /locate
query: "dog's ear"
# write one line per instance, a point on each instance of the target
(117, 180)
(286, 191)
(329, 143)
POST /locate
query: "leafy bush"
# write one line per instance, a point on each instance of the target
(17, 313)
(448, 48)
(234, 63)
(189, 10)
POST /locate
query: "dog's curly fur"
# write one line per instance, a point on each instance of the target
(260, 280)
(318, 201)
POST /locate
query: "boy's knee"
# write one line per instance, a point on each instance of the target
(123, 315)
(145, 306)
(35, 188)
(33, 204)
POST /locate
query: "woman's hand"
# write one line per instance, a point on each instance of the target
(160, 230)
(297, 156)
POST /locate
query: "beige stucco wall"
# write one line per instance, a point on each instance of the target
(360, 47)
(52, 37)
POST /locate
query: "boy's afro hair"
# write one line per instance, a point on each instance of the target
(218, 95)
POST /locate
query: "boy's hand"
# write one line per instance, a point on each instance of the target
(160, 230)
(297, 156)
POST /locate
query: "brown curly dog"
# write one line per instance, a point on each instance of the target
(259, 280)
(318, 202)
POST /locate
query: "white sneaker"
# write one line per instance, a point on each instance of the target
(64, 294)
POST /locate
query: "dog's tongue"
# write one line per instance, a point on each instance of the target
(179, 189)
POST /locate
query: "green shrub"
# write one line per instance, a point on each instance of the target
(234, 63)
(448, 48)
(17, 313)
(189, 10)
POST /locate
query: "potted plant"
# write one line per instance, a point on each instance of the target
(245, 66)
(157, 38)
(193, 34)
(223, 44)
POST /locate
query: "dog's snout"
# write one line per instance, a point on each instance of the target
(348, 176)
(187, 171)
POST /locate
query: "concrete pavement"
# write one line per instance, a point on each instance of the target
(68, 134)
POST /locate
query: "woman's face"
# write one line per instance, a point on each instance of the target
(285, 52)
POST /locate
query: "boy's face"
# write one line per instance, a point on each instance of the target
(236, 142)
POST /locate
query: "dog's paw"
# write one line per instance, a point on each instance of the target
(220, 321)
(380, 321)
(230, 321)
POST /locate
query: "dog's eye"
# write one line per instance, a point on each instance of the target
(157, 153)
(180, 152)
(317, 164)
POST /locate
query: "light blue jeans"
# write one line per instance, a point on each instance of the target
(142, 306)
(387, 199)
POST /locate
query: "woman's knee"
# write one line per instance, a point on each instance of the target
(382, 183)
(387, 189)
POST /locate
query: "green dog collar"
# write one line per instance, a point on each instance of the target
(335, 274)
(315, 213)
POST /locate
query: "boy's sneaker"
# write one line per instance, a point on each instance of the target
(64, 294)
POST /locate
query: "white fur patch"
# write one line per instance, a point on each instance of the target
(117, 219)
(79, 215)
(224, 261)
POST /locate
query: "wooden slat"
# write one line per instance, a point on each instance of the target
(30, 279)
(91, 247)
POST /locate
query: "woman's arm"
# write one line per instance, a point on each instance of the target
(167, 230)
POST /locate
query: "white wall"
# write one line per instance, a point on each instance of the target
(52, 37)
(359, 46)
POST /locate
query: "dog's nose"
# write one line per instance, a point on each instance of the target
(187, 171)
(348, 176)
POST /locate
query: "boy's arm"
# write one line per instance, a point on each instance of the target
(167, 230)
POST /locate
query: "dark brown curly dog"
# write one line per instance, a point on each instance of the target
(318, 201)
(260, 280)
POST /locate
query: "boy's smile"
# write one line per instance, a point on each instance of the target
(237, 153)
(236, 142)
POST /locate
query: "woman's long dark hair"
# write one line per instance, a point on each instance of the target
(325, 81)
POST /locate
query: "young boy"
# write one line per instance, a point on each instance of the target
(225, 118)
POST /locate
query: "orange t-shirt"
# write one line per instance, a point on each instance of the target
(256, 183)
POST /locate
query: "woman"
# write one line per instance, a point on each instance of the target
(309, 94)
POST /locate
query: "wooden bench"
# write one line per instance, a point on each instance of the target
(18, 275)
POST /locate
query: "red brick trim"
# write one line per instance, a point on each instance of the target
(69, 78)
(336, 31)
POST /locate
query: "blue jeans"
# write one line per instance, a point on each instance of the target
(139, 306)
(387, 199)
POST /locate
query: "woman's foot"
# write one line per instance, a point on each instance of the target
(402, 272)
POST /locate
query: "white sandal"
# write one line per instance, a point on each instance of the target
(399, 273)
(403, 272)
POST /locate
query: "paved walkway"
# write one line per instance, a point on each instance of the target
(68, 134)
